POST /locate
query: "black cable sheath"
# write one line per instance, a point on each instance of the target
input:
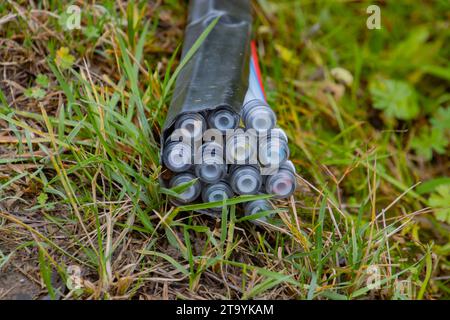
(217, 74)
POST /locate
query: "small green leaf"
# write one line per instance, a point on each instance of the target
(35, 93)
(441, 119)
(428, 141)
(42, 198)
(64, 59)
(62, 21)
(42, 80)
(91, 32)
(396, 98)
(28, 92)
(440, 201)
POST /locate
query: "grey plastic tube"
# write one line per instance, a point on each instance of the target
(253, 207)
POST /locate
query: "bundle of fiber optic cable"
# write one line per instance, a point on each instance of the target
(220, 137)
